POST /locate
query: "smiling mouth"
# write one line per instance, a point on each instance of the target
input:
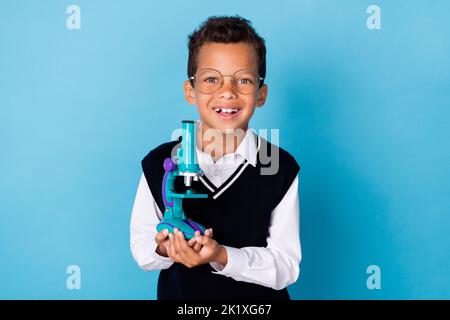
(226, 110)
(226, 113)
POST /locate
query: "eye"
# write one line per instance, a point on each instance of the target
(212, 79)
(246, 81)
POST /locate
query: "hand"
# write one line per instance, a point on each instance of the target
(211, 250)
(193, 242)
(163, 242)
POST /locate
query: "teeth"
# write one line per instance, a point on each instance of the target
(234, 110)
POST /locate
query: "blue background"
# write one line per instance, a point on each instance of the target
(365, 113)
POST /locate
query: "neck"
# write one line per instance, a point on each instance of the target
(218, 143)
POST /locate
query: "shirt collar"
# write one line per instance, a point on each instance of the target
(248, 148)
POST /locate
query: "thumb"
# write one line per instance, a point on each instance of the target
(161, 236)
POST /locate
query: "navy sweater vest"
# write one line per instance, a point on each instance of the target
(239, 212)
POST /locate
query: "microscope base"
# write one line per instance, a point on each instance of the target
(187, 226)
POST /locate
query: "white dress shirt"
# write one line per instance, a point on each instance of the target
(275, 266)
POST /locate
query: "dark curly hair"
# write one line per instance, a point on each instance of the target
(226, 29)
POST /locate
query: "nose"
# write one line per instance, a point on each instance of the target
(227, 91)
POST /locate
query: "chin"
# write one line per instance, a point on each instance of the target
(227, 129)
(223, 126)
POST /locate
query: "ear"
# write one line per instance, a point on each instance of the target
(189, 93)
(262, 95)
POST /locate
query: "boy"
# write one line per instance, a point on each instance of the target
(252, 247)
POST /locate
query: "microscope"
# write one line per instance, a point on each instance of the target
(188, 168)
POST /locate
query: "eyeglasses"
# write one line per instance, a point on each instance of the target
(210, 80)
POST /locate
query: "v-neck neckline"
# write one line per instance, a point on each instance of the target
(217, 191)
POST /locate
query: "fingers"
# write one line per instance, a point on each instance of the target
(176, 239)
(180, 243)
(203, 240)
(197, 246)
(189, 257)
(188, 252)
(192, 242)
(171, 249)
(161, 236)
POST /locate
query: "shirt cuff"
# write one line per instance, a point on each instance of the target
(235, 262)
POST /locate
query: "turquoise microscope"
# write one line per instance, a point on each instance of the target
(187, 167)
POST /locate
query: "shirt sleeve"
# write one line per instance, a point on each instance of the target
(277, 265)
(144, 218)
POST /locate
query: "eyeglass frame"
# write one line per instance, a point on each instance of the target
(222, 76)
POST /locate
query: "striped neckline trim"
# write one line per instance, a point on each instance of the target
(217, 191)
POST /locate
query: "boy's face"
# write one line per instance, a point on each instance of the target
(226, 58)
